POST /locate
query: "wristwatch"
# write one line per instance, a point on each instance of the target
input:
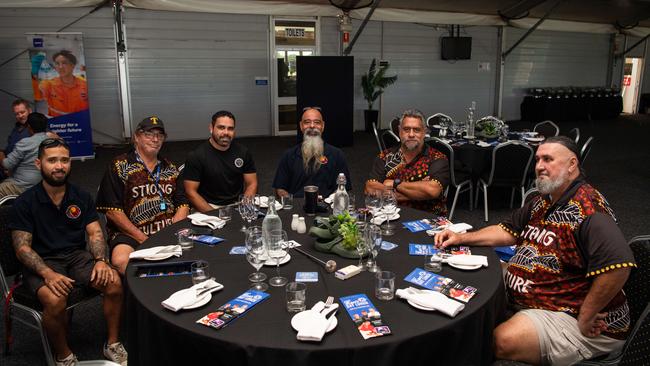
(101, 259)
(396, 182)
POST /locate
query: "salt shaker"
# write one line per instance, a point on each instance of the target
(294, 222)
(301, 227)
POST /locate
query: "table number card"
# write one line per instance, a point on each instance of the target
(233, 309)
(306, 276)
(417, 226)
(238, 250)
(365, 316)
(444, 285)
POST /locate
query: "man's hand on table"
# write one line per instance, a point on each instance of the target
(446, 238)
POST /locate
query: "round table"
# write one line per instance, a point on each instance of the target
(263, 336)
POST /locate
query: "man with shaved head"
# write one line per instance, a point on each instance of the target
(570, 264)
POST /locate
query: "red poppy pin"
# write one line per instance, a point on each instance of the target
(73, 212)
(323, 160)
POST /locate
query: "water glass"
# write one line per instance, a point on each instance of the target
(374, 239)
(389, 207)
(225, 213)
(200, 271)
(351, 205)
(433, 262)
(276, 248)
(287, 201)
(385, 285)
(184, 238)
(256, 256)
(296, 296)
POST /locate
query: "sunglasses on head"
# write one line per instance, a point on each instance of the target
(54, 142)
(308, 108)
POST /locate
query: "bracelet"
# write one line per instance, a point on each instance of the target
(101, 259)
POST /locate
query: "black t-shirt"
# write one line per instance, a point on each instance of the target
(291, 175)
(54, 229)
(220, 173)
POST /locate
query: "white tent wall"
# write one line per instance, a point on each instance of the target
(186, 66)
(552, 59)
(99, 46)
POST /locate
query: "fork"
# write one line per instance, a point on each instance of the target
(328, 303)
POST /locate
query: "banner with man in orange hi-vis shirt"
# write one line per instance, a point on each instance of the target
(58, 71)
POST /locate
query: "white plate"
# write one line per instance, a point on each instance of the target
(157, 258)
(272, 262)
(534, 139)
(419, 306)
(297, 319)
(205, 298)
(466, 268)
(380, 219)
(263, 202)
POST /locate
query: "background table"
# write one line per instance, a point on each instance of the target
(264, 336)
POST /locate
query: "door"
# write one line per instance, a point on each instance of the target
(631, 84)
(290, 38)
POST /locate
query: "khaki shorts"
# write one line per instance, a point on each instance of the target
(9, 187)
(560, 340)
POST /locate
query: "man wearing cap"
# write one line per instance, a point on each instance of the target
(418, 173)
(58, 239)
(20, 162)
(220, 169)
(139, 193)
(311, 163)
(569, 268)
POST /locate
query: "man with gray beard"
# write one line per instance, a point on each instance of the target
(571, 261)
(313, 162)
(418, 173)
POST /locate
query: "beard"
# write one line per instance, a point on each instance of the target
(412, 145)
(312, 150)
(548, 185)
(54, 182)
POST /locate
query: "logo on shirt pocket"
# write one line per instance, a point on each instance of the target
(239, 162)
(73, 212)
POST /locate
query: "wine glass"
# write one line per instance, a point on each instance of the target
(276, 248)
(389, 207)
(373, 202)
(373, 240)
(256, 256)
(362, 247)
(242, 211)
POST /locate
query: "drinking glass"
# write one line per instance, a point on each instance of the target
(296, 296)
(389, 206)
(276, 248)
(385, 285)
(373, 202)
(241, 208)
(287, 202)
(374, 239)
(256, 256)
(185, 238)
(200, 271)
(362, 246)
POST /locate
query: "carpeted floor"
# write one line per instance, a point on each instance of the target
(618, 166)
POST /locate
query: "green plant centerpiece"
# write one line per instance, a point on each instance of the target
(373, 84)
(489, 127)
(337, 234)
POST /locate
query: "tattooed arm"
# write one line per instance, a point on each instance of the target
(59, 284)
(102, 273)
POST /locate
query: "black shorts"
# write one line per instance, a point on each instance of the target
(76, 263)
(121, 238)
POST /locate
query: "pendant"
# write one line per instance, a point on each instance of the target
(163, 206)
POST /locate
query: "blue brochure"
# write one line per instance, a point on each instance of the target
(422, 249)
(444, 285)
(417, 225)
(233, 309)
(365, 316)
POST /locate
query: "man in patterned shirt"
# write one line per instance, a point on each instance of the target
(418, 173)
(569, 268)
(139, 193)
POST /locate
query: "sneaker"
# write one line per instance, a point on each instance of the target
(71, 360)
(116, 353)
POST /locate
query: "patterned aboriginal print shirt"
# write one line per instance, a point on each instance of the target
(430, 164)
(561, 248)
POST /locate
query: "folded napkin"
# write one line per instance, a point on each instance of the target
(467, 260)
(212, 222)
(157, 252)
(330, 199)
(190, 296)
(431, 300)
(483, 144)
(312, 327)
(263, 201)
(380, 218)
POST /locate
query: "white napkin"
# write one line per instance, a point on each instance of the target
(329, 200)
(432, 300)
(263, 201)
(212, 222)
(483, 144)
(467, 260)
(188, 296)
(380, 218)
(461, 227)
(313, 327)
(157, 252)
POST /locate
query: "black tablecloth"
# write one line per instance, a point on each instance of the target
(536, 109)
(263, 336)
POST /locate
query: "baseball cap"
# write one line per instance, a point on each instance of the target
(150, 123)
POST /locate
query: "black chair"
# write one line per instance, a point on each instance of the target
(574, 134)
(547, 129)
(394, 127)
(388, 139)
(435, 121)
(586, 148)
(529, 195)
(380, 146)
(635, 351)
(22, 305)
(8, 199)
(461, 187)
(510, 164)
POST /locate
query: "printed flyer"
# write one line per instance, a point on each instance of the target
(365, 316)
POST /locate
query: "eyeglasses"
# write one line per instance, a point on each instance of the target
(53, 142)
(314, 122)
(416, 130)
(151, 135)
(308, 108)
